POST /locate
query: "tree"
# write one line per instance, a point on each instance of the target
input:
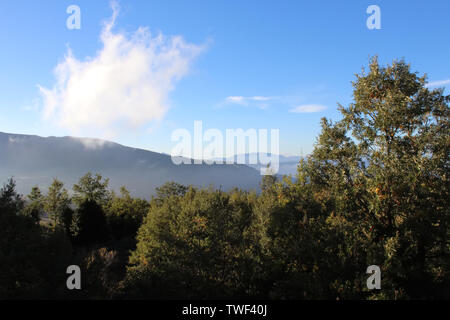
(89, 225)
(91, 188)
(35, 205)
(25, 252)
(402, 129)
(56, 203)
(374, 191)
(268, 181)
(198, 245)
(10, 200)
(125, 214)
(381, 176)
(171, 189)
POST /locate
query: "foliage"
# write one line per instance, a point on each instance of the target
(89, 225)
(199, 243)
(125, 214)
(35, 206)
(33, 260)
(91, 189)
(10, 201)
(56, 203)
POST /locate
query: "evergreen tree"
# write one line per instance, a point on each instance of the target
(10, 201)
(56, 203)
(35, 205)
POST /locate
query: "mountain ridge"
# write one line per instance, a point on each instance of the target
(35, 160)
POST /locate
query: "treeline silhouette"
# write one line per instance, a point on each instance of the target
(375, 191)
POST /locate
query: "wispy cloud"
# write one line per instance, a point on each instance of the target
(126, 85)
(308, 108)
(297, 103)
(256, 101)
(92, 144)
(440, 83)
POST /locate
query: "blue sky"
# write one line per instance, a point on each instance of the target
(240, 64)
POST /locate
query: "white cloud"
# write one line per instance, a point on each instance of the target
(90, 143)
(125, 85)
(235, 99)
(308, 108)
(240, 99)
(256, 101)
(438, 83)
(259, 98)
(264, 102)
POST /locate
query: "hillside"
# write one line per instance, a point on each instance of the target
(34, 160)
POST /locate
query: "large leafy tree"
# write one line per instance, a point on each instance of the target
(381, 176)
(403, 129)
(195, 245)
(91, 188)
(91, 195)
(125, 214)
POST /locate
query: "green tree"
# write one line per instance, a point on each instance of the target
(171, 189)
(56, 203)
(125, 214)
(91, 188)
(268, 181)
(196, 245)
(380, 176)
(402, 129)
(10, 200)
(35, 205)
(89, 225)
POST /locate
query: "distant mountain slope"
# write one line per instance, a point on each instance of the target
(34, 160)
(287, 164)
